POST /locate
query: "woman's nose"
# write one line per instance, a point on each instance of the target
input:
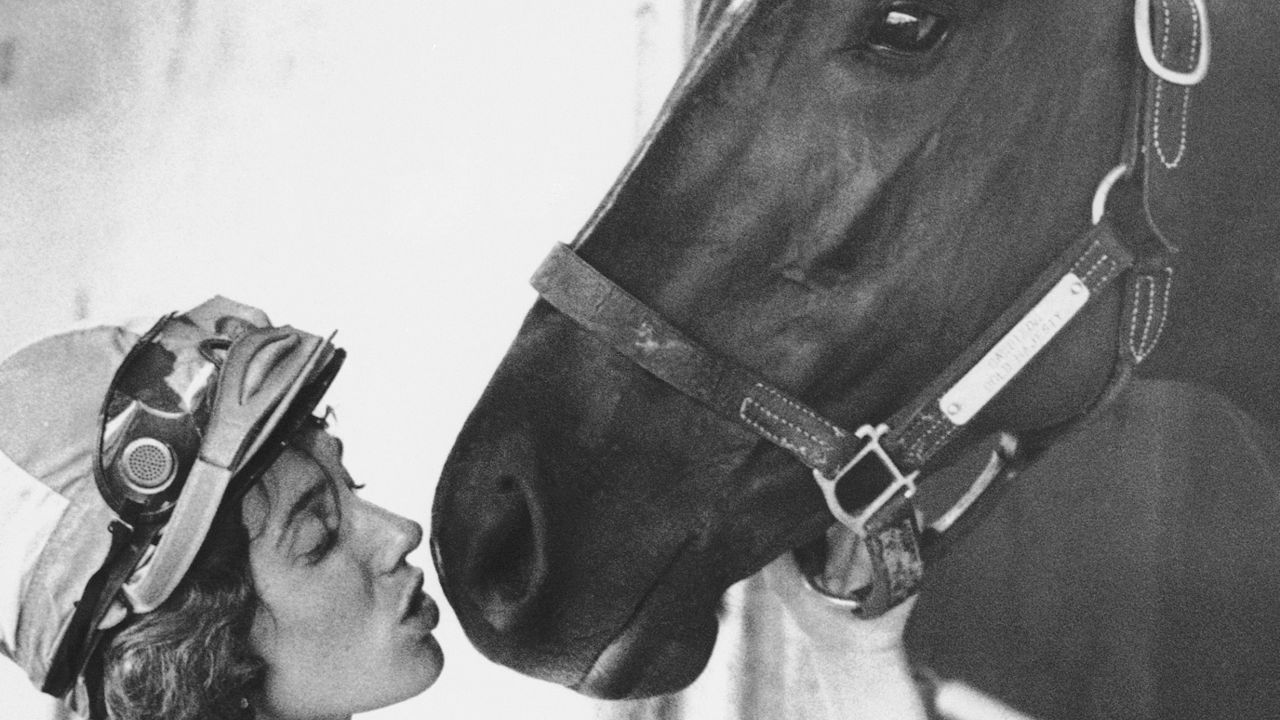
(390, 536)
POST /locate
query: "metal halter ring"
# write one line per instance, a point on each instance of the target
(1104, 190)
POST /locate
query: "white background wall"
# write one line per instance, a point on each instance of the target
(393, 169)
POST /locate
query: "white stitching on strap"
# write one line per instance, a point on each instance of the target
(1186, 92)
(1104, 258)
(801, 409)
(939, 426)
(1163, 312)
(1151, 330)
(779, 440)
(824, 447)
(1141, 289)
(933, 425)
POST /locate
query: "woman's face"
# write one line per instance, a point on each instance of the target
(343, 625)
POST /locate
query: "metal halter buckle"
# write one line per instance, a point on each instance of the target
(897, 482)
(894, 559)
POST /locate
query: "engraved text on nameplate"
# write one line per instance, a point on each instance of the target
(1015, 350)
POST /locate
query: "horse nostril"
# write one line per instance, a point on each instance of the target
(504, 567)
(507, 567)
(507, 485)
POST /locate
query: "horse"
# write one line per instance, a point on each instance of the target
(845, 208)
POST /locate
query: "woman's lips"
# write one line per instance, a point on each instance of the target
(426, 609)
(417, 606)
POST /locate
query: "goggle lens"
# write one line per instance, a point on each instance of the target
(152, 419)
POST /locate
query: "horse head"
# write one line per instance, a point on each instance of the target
(842, 197)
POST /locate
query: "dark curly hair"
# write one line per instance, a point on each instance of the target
(191, 659)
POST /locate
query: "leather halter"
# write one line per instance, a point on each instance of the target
(869, 476)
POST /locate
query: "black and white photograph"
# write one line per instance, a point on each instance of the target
(639, 360)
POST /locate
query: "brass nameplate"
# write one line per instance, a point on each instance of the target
(1014, 350)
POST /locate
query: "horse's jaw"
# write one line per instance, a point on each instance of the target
(642, 662)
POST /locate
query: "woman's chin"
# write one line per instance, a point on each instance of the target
(437, 661)
(406, 676)
(425, 667)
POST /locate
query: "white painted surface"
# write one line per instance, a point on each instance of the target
(394, 170)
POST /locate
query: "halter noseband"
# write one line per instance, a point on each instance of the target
(870, 475)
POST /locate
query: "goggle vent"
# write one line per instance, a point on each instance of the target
(148, 465)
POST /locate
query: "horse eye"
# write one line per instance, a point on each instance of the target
(908, 28)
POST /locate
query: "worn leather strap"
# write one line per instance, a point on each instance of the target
(1179, 39)
(922, 428)
(596, 303)
(897, 558)
(916, 433)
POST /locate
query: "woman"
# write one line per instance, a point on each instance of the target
(180, 539)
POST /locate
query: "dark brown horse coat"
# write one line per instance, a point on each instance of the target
(1134, 572)
(844, 224)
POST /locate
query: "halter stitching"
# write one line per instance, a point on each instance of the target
(1186, 94)
(1151, 332)
(802, 409)
(774, 437)
(946, 429)
(1104, 258)
(933, 425)
(822, 445)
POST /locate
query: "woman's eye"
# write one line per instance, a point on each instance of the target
(908, 28)
(320, 543)
(314, 538)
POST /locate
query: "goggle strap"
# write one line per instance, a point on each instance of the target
(192, 517)
(80, 640)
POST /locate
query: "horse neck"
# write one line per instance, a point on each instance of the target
(1221, 210)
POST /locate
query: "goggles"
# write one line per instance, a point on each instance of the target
(187, 413)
